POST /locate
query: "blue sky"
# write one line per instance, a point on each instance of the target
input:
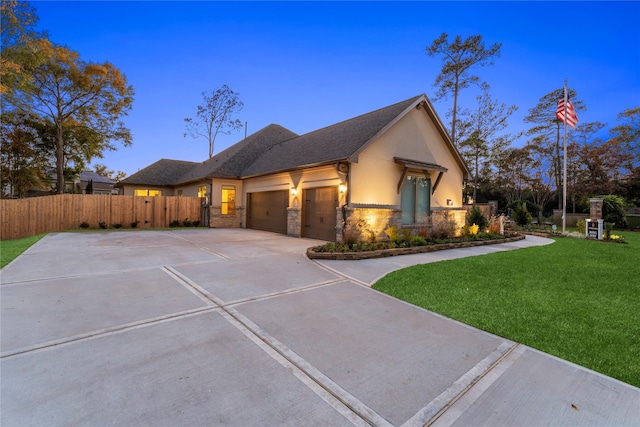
(306, 65)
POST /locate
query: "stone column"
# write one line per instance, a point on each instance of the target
(294, 222)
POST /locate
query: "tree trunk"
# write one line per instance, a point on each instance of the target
(475, 183)
(455, 109)
(60, 158)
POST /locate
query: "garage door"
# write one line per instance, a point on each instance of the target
(319, 213)
(267, 211)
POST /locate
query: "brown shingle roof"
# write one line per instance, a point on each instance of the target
(231, 162)
(329, 144)
(164, 172)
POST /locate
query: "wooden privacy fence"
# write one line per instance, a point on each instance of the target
(28, 217)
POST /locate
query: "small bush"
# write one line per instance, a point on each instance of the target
(196, 223)
(475, 216)
(494, 225)
(352, 231)
(406, 234)
(135, 224)
(444, 227)
(116, 225)
(174, 223)
(84, 224)
(521, 215)
(103, 225)
(187, 222)
(582, 226)
(608, 228)
(418, 241)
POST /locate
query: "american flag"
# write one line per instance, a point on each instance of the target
(572, 118)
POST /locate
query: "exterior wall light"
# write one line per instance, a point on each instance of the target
(342, 188)
(294, 191)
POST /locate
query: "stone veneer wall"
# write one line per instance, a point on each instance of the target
(377, 217)
(294, 222)
(217, 220)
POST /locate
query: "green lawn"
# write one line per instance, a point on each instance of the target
(10, 249)
(576, 299)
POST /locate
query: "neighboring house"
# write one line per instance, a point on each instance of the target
(393, 166)
(97, 184)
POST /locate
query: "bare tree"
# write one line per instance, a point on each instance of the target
(458, 58)
(215, 115)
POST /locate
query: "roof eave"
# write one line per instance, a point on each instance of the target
(297, 168)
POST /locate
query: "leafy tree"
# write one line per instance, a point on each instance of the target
(18, 21)
(513, 171)
(483, 143)
(80, 102)
(545, 123)
(103, 170)
(459, 57)
(627, 135)
(21, 163)
(613, 210)
(215, 116)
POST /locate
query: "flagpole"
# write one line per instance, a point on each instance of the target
(564, 165)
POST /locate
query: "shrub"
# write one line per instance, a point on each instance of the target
(391, 232)
(116, 225)
(417, 241)
(582, 226)
(494, 225)
(187, 222)
(135, 224)
(103, 225)
(84, 224)
(174, 223)
(353, 228)
(475, 216)
(521, 215)
(406, 234)
(608, 228)
(444, 227)
(196, 223)
(613, 210)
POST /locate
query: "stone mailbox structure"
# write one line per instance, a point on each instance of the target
(594, 224)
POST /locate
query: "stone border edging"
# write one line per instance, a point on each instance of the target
(383, 253)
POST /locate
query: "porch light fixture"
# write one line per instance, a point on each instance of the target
(294, 191)
(342, 188)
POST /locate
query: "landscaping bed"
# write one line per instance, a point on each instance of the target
(318, 252)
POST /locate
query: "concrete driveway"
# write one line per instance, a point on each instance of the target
(237, 327)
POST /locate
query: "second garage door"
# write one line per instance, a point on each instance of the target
(319, 213)
(267, 211)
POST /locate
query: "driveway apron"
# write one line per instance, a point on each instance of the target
(238, 327)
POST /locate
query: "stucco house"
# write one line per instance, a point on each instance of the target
(392, 166)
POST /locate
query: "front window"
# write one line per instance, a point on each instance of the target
(146, 193)
(415, 200)
(228, 206)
